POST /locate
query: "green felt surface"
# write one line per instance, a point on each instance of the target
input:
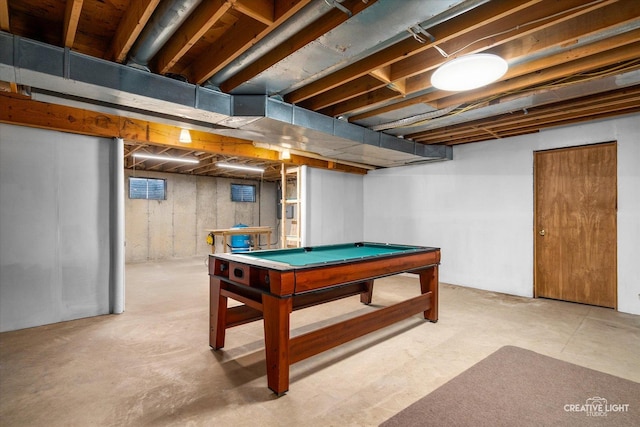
(324, 254)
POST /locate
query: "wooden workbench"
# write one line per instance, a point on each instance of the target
(254, 232)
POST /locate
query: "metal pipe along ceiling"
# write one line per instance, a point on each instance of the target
(287, 29)
(163, 23)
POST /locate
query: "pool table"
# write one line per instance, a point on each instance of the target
(270, 284)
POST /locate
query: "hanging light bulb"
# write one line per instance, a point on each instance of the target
(469, 72)
(185, 136)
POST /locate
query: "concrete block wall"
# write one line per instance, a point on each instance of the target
(176, 227)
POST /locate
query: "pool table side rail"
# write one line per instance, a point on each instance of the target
(363, 269)
(263, 276)
(259, 258)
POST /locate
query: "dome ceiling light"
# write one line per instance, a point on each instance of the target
(464, 72)
(469, 72)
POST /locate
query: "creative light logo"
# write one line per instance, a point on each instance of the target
(596, 407)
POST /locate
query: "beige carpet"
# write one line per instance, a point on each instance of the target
(518, 387)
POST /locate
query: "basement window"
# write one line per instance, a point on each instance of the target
(243, 193)
(147, 188)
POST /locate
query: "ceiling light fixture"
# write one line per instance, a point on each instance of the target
(165, 158)
(285, 154)
(469, 72)
(239, 167)
(185, 136)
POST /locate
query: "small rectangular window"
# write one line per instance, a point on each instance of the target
(147, 188)
(243, 193)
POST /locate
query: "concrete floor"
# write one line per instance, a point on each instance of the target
(153, 366)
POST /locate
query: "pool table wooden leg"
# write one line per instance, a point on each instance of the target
(276, 313)
(366, 296)
(217, 314)
(429, 283)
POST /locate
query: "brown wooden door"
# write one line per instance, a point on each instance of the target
(575, 224)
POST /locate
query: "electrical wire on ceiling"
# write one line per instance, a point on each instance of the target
(416, 30)
(413, 119)
(566, 81)
(558, 83)
(421, 119)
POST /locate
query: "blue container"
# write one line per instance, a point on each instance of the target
(240, 242)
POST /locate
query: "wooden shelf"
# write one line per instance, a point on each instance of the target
(291, 196)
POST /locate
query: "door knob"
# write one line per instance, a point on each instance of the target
(542, 232)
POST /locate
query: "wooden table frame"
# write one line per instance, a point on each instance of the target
(270, 291)
(254, 232)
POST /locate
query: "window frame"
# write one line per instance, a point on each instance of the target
(147, 194)
(253, 193)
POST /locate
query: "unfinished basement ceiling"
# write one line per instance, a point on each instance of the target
(341, 84)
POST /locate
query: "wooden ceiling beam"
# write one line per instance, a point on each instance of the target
(20, 110)
(536, 116)
(260, 10)
(539, 73)
(533, 128)
(364, 102)
(521, 123)
(226, 49)
(427, 98)
(8, 87)
(383, 74)
(604, 52)
(585, 108)
(610, 19)
(311, 32)
(550, 38)
(206, 15)
(516, 26)
(71, 18)
(584, 21)
(205, 165)
(4, 16)
(565, 120)
(357, 87)
(135, 18)
(232, 45)
(370, 98)
(482, 15)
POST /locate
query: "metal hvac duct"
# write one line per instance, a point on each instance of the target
(64, 73)
(287, 29)
(166, 19)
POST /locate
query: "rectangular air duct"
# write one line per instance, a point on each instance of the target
(256, 117)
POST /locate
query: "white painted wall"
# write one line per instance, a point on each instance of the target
(479, 208)
(56, 211)
(333, 207)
